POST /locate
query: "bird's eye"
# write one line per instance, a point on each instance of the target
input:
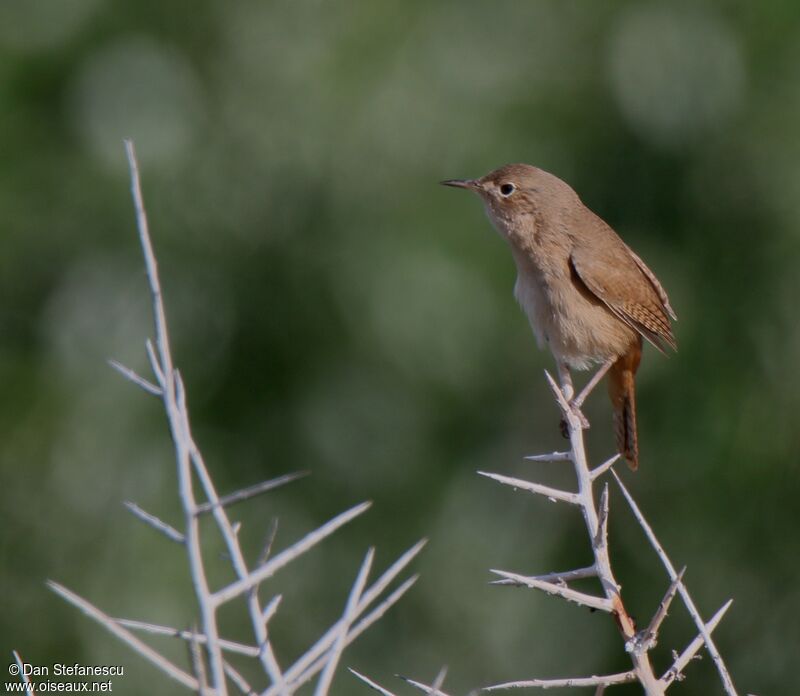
(507, 189)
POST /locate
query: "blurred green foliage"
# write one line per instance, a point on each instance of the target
(334, 310)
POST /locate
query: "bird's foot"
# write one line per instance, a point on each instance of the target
(582, 420)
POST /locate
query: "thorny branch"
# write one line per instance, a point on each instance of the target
(638, 644)
(209, 673)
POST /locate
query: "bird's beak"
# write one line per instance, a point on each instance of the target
(471, 184)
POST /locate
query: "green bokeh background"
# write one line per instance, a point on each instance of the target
(334, 310)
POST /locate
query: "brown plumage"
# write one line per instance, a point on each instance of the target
(622, 390)
(587, 295)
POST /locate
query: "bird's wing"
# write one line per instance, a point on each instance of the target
(662, 294)
(619, 278)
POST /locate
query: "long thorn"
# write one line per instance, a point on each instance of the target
(691, 650)
(570, 595)
(538, 488)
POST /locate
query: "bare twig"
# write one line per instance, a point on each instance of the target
(605, 466)
(137, 379)
(601, 538)
(180, 437)
(725, 676)
(350, 613)
(439, 681)
(551, 457)
(605, 680)
(563, 403)
(601, 603)
(268, 542)
(22, 673)
(126, 636)
(237, 678)
(154, 363)
(435, 689)
(547, 491)
(205, 644)
(558, 578)
(198, 663)
(229, 535)
(271, 608)
(314, 659)
(251, 491)
(691, 650)
(157, 629)
(285, 557)
(159, 525)
(651, 632)
(371, 684)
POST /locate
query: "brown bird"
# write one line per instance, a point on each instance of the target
(587, 295)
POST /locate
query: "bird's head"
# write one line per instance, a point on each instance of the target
(516, 194)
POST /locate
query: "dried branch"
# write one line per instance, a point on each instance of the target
(601, 538)
(606, 680)
(177, 419)
(587, 600)
(159, 525)
(205, 645)
(287, 556)
(251, 491)
(239, 681)
(263, 557)
(22, 675)
(350, 613)
(198, 664)
(370, 683)
(315, 665)
(725, 676)
(126, 636)
(596, 519)
(651, 632)
(313, 660)
(605, 466)
(137, 379)
(159, 630)
(558, 578)
(435, 689)
(691, 650)
(229, 535)
(153, 358)
(271, 608)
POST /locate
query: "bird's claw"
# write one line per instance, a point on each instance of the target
(582, 420)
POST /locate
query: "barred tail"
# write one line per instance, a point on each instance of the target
(622, 390)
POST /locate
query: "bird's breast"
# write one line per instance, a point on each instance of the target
(578, 330)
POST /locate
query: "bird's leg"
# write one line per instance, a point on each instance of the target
(565, 378)
(577, 402)
(568, 389)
